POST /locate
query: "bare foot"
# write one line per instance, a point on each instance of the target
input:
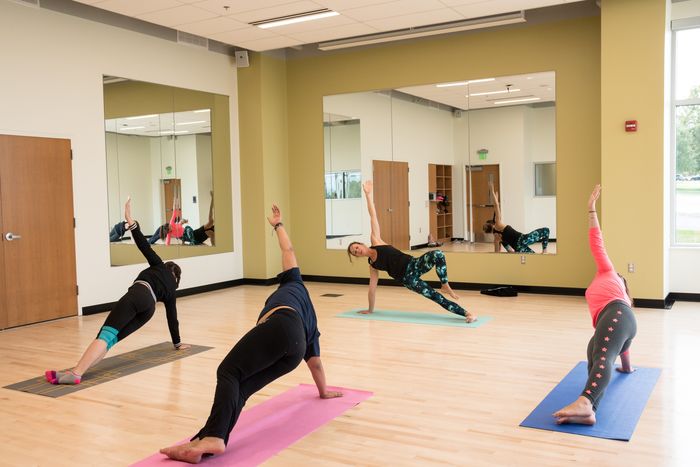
(625, 370)
(193, 451)
(470, 317)
(447, 290)
(580, 411)
(364, 312)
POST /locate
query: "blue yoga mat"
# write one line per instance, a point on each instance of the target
(618, 411)
(417, 317)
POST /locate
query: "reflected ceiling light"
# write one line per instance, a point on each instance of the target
(422, 31)
(514, 101)
(493, 92)
(191, 123)
(140, 117)
(127, 128)
(296, 18)
(464, 83)
(201, 111)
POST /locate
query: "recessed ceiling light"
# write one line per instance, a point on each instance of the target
(513, 101)
(140, 116)
(296, 18)
(464, 83)
(493, 92)
(191, 123)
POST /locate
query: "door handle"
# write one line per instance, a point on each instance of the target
(9, 236)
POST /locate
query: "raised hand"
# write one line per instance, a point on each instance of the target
(276, 216)
(594, 197)
(127, 211)
(367, 187)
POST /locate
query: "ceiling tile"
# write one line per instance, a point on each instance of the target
(416, 19)
(396, 8)
(247, 34)
(174, 16)
(341, 5)
(275, 12)
(341, 32)
(136, 7)
(212, 26)
(238, 6)
(270, 43)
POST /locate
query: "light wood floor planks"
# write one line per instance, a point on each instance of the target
(443, 395)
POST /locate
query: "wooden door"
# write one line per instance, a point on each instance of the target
(171, 189)
(391, 201)
(36, 210)
(479, 201)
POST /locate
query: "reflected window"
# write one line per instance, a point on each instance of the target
(545, 179)
(343, 185)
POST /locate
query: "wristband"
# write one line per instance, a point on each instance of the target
(279, 224)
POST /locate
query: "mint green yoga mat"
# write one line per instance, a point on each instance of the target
(417, 317)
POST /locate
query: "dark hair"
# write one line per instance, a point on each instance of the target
(624, 281)
(350, 255)
(175, 270)
(164, 229)
(489, 226)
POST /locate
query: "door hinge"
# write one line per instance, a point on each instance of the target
(71, 154)
(74, 222)
(77, 291)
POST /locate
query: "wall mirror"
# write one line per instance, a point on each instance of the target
(433, 152)
(161, 144)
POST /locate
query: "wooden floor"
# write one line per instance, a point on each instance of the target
(442, 395)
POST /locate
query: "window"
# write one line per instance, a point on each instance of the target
(686, 120)
(343, 185)
(545, 179)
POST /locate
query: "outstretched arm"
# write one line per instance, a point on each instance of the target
(496, 207)
(211, 210)
(375, 236)
(141, 242)
(595, 236)
(289, 260)
(319, 376)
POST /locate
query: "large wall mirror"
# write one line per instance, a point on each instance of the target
(433, 152)
(161, 145)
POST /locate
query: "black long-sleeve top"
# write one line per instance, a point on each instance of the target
(160, 279)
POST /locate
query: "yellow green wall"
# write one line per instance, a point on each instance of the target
(632, 78)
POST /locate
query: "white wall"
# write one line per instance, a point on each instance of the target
(683, 261)
(204, 177)
(51, 85)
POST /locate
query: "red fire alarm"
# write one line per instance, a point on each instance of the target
(631, 125)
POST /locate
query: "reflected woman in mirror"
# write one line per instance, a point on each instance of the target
(176, 223)
(286, 332)
(615, 326)
(512, 240)
(159, 234)
(157, 283)
(118, 231)
(402, 267)
(206, 231)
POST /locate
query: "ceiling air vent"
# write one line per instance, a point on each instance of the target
(191, 39)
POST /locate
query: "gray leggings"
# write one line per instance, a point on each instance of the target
(613, 336)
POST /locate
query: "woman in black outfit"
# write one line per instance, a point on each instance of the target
(285, 333)
(157, 283)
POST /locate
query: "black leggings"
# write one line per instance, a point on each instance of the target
(269, 350)
(132, 311)
(613, 336)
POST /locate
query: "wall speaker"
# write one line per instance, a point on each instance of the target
(242, 59)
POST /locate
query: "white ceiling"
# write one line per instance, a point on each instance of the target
(228, 21)
(539, 87)
(177, 124)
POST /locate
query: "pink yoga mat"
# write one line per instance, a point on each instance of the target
(269, 427)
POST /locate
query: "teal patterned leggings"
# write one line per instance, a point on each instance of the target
(419, 266)
(536, 236)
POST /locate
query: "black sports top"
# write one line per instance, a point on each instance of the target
(160, 279)
(391, 260)
(292, 293)
(509, 236)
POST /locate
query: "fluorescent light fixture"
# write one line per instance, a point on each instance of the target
(422, 31)
(514, 101)
(191, 123)
(140, 117)
(464, 83)
(201, 111)
(129, 128)
(171, 132)
(296, 18)
(493, 92)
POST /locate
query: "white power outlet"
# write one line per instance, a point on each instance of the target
(522, 259)
(630, 267)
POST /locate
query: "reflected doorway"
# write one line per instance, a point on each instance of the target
(480, 206)
(391, 201)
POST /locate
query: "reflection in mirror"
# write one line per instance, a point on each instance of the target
(162, 159)
(446, 144)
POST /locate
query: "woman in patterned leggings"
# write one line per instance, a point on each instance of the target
(511, 239)
(615, 327)
(402, 267)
